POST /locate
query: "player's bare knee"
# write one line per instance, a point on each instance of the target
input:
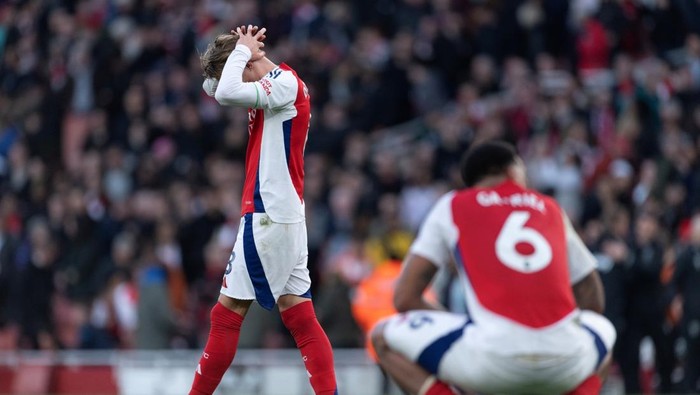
(236, 305)
(604, 368)
(378, 340)
(286, 302)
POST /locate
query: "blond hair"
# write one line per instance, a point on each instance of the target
(214, 58)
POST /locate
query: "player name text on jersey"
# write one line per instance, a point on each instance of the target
(492, 198)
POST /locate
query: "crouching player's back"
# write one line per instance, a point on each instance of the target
(527, 277)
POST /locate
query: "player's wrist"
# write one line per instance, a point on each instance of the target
(244, 48)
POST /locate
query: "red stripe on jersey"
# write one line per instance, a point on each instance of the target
(532, 288)
(256, 120)
(299, 134)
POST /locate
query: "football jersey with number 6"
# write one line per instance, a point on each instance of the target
(515, 251)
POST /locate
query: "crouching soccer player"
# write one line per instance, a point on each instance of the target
(533, 295)
(269, 260)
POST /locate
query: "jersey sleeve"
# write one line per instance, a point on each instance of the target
(270, 92)
(581, 260)
(280, 87)
(435, 236)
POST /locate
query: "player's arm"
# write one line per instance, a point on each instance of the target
(589, 293)
(416, 275)
(429, 252)
(585, 280)
(231, 90)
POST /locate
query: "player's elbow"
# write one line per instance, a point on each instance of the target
(222, 96)
(228, 94)
(589, 293)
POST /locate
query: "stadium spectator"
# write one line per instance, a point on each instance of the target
(686, 278)
(104, 128)
(646, 306)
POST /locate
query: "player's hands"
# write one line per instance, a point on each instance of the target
(252, 38)
(244, 29)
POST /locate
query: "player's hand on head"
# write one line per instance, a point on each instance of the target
(255, 29)
(252, 37)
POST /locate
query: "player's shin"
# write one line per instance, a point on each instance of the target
(219, 351)
(314, 346)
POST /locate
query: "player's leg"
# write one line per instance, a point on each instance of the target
(300, 319)
(226, 320)
(410, 376)
(237, 294)
(604, 335)
(692, 363)
(411, 346)
(629, 356)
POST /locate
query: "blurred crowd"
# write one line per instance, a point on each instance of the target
(120, 180)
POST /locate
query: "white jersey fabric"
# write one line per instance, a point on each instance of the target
(523, 333)
(437, 241)
(269, 258)
(278, 126)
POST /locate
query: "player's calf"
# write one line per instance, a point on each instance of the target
(411, 377)
(314, 346)
(219, 351)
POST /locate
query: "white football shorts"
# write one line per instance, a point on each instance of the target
(268, 260)
(447, 345)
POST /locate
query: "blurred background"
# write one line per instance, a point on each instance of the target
(120, 179)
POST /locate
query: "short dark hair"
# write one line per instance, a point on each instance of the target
(486, 159)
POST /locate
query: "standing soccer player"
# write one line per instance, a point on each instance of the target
(533, 295)
(269, 260)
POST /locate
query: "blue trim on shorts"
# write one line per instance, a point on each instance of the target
(263, 294)
(599, 344)
(431, 356)
(306, 294)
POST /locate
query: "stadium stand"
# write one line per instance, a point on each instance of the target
(120, 178)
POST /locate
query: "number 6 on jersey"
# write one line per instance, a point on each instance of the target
(514, 233)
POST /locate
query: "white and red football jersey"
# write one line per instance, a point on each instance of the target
(517, 256)
(278, 124)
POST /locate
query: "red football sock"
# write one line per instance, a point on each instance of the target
(219, 351)
(314, 346)
(591, 386)
(433, 386)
